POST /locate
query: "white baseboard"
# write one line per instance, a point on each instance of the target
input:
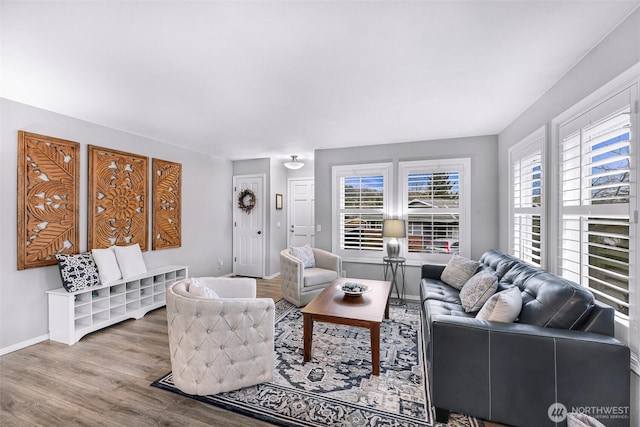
(273, 276)
(23, 344)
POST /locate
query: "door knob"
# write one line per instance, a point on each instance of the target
(259, 232)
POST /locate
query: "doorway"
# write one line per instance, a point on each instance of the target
(248, 225)
(301, 213)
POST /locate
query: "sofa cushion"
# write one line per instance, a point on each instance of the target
(436, 290)
(498, 261)
(434, 308)
(458, 270)
(554, 302)
(315, 276)
(502, 307)
(517, 275)
(478, 290)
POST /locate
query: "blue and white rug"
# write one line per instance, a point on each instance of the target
(336, 388)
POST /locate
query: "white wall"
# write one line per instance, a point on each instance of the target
(482, 151)
(206, 214)
(618, 52)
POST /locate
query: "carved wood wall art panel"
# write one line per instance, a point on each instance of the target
(167, 201)
(118, 187)
(48, 191)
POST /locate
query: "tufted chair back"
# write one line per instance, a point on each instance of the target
(220, 344)
(300, 285)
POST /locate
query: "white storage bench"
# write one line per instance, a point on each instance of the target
(72, 315)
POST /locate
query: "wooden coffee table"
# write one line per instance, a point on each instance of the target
(333, 306)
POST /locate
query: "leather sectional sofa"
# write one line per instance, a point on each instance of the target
(559, 351)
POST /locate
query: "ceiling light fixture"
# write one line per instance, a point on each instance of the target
(294, 163)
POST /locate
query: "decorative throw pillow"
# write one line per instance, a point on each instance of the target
(77, 271)
(503, 307)
(478, 290)
(198, 289)
(304, 254)
(130, 260)
(458, 271)
(107, 263)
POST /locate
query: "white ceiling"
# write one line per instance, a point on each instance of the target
(254, 79)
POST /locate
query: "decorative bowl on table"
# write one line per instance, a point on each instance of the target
(353, 288)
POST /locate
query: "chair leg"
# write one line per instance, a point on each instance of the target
(442, 415)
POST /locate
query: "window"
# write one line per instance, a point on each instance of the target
(435, 203)
(595, 188)
(361, 200)
(527, 198)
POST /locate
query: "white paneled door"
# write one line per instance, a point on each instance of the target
(301, 212)
(248, 230)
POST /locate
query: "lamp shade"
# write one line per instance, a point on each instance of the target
(393, 228)
(294, 163)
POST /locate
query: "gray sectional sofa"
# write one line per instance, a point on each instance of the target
(559, 352)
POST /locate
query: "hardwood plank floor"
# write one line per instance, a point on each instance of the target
(103, 380)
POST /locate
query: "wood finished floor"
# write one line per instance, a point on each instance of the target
(103, 380)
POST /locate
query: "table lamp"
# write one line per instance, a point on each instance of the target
(393, 228)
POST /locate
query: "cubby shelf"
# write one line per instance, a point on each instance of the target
(72, 315)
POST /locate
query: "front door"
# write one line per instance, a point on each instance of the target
(248, 232)
(301, 212)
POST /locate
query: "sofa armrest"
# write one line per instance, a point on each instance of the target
(291, 271)
(476, 363)
(328, 260)
(432, 271)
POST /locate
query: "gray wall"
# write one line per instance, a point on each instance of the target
(481, 150)
(276, 183)
(618, 52)
(206, 235)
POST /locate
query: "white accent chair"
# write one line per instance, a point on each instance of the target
(300, 285)
(220, 344)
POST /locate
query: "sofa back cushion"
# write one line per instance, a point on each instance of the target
(499, 262)
(551, 301)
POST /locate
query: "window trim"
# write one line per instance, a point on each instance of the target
(464, 165)
(386, 170)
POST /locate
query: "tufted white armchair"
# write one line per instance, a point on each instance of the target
(299, 284)
(220, 344)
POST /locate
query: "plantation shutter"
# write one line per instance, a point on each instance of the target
(361, 198)
(527, 176)
(595, 180)
(435, 206)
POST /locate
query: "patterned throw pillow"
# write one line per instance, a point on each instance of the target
(478, 290)
(503, 307)
(458, 271)
(304, 254)
(77, 271)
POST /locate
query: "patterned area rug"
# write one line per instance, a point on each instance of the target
(336, 387)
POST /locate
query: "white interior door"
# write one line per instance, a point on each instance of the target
(248, 230)
(301, 215)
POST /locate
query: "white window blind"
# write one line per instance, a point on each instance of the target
(527, 198)
(595, 185)
(361, 196)
(435, 205)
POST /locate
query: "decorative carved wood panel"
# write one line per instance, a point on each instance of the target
(48, 188)
(167, 200)
(118, 187)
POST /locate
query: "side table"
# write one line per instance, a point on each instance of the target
(393, 264)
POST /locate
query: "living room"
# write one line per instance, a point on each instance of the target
(31, 102)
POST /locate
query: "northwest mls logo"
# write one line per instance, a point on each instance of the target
(557, 412)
